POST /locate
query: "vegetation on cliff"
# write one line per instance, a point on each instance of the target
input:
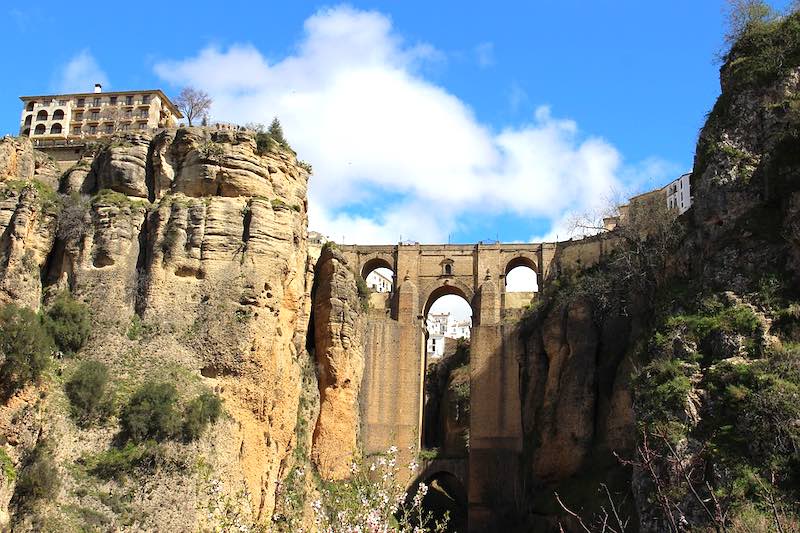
(709, 306)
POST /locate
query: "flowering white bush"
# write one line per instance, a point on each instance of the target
(373, 500)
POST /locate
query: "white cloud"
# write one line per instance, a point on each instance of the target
(80, 74)
(354, 103)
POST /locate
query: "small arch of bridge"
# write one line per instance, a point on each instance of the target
(524, 260)
(452, 476)
(435, 290)
(373, 263)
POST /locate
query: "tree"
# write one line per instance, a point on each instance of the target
(193, 103)
(276, 132)
(25, 348)
(744, 15)
(115, 116)
(646, 230)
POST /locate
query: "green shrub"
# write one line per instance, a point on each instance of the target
(135, 328)
(737, 319)
(662, 388)
(151, 413)
(305, 166)
(428, 454)
(7, 469)
(363, 291)
(116, 463)
(88, 392)
(203, 410)
(269, 139)
(26, 348)
(212, 151)
(48, 199)
(71, 220)
(39, 478)
(68, 322)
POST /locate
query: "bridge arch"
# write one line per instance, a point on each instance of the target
(446, 493)
(375, 263)
(434, 291)
(524, 261)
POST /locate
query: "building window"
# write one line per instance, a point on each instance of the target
(142, 126)
(47, 102)
(143, 114)
(129, 100)
(30, 106)
(39, 129)
(145, 98)
(26, 132)
(28, 120)
(109, 128)
(126, 127)
(96, 102)
(81, 102)
(92, 129)
(41, 115)
(62, 102)
(76, 130)
(128, 114)
(55, 129)
(95, 115)
(58, 114)
(78, 116)
(112, 100)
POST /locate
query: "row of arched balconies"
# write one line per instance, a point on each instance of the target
(41, 116)
(41, 129)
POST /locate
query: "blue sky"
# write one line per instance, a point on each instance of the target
(426, 120)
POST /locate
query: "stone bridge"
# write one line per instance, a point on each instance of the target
(392, 393)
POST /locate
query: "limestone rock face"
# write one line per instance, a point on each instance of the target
(194, 263)
(200, 162)
(28, 229)
(120, 166)
(16, 159)
(19, 161)
(576, 398)
(338, 330)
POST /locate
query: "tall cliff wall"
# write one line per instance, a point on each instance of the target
(190, 250)
(677, 376)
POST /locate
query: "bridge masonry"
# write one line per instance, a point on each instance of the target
(392, 391)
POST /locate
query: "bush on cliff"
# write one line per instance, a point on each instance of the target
(89, 393)
(152, 413)
(26, 348)
(68, 322)
(39, 478)
(199, 413)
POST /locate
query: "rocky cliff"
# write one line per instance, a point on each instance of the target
(189, 249)
(339, 323)
(687, 373)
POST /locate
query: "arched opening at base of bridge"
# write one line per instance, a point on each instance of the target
(379, 277)
(445, 416)
(445, 495)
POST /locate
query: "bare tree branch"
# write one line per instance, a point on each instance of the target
(193, 103)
